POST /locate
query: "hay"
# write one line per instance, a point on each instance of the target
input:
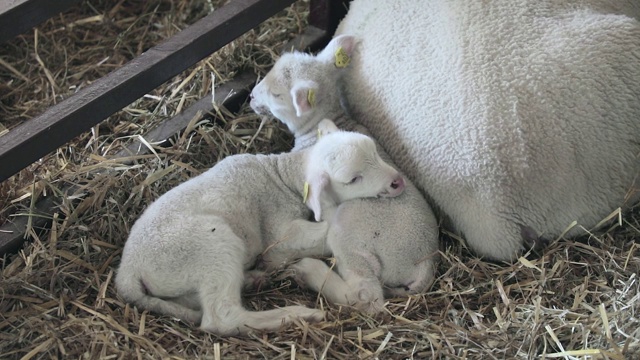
(578, 299)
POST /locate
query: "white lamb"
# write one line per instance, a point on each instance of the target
(518, 117)
(375, 242)
(188, 253)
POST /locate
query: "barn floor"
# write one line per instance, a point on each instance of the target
(578, 299)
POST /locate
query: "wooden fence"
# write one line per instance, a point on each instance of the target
(60, 123)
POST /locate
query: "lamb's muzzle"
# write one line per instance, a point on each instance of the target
(395, 188)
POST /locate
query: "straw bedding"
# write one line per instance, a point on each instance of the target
(578, 299)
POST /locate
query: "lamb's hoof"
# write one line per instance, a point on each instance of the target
(398, 291)
(256, 280)
(301, 271)
(299, 278)
(368, 304)
(532, 241)
(371, 308)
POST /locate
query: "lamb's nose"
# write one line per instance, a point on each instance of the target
(397, 183)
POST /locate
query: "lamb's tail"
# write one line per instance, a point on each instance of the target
(133, 290)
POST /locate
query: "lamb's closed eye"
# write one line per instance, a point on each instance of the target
(355, 179)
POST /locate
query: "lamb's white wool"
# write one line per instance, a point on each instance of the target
(517, 117)
(375, 242)
(188, 253)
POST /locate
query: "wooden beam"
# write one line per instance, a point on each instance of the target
(311, 39)
(233, 93)
(12, 233)
(326, 14)
(35, 138)
(230, 95)
(18, 16)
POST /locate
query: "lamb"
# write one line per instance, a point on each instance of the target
(382, 248)
(517, 117)
(188, 253)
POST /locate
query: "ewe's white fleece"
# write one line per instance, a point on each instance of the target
(507, 113)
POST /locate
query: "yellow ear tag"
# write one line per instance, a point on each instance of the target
(319, 134)
(305, 192)
(342, 59)
(311, 97)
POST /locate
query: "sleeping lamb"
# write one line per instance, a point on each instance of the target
(375, 242)
(187, 254)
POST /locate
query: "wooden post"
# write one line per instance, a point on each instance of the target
(326, 14)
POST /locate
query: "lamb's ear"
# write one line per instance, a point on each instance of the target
(318, 183)
(326, 126)
(339, 50)
(303, 94)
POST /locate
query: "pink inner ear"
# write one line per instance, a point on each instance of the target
(300, 101)
(348, 44)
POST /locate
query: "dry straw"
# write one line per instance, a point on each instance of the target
(579, 299)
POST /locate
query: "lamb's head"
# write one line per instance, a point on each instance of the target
(301, 88)
(345, 165)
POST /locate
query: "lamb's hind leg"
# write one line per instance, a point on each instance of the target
(168, 307)
(223, 313)
(365, 293)
(255, 280)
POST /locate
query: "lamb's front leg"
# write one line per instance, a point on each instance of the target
(364, 293)
(301, 238)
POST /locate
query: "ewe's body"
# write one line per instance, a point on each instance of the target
(375, 241)
(188, 253)
(516, 117)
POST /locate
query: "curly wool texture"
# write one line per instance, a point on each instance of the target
(509, 114)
